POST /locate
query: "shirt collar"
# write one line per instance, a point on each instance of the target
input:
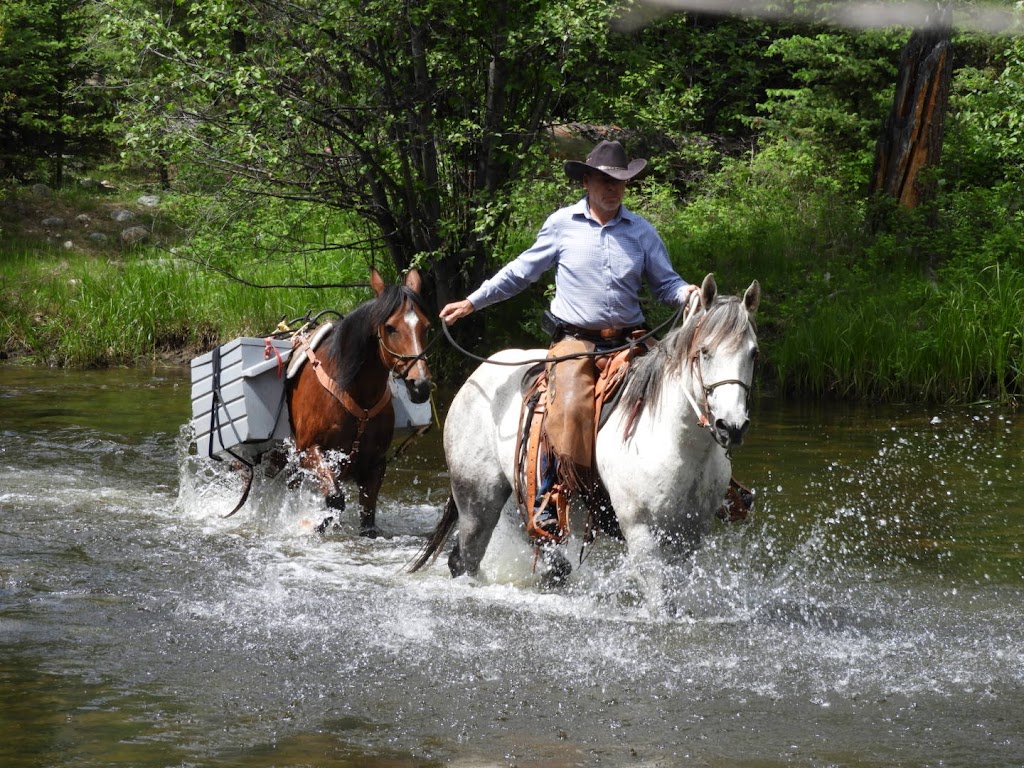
(582, 208)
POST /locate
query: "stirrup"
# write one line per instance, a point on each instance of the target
(545, 524)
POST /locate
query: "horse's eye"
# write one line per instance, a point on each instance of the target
(390, 329)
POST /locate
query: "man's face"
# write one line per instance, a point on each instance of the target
(605, 194)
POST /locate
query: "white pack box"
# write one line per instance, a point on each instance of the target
(251, 413)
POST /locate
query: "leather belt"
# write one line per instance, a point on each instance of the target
(601, 334)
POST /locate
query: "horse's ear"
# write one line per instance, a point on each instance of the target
(752, 298)
(708, 290)
(413, 281)
(376, 281)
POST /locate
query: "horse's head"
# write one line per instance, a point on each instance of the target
(401, 330)
(722, 353)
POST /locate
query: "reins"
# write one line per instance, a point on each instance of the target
(576, 355)
(400, 357)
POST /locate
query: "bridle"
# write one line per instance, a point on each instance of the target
(396, 367)
(705, 416)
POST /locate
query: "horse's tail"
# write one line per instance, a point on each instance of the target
(444, 528)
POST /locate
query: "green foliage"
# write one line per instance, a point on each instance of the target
(680, 76)
(838, 91)
(775, 216)
(52, 103)
(275, 241)
(415, 118)
(985, 132)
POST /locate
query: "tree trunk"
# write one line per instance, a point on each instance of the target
(911, 140)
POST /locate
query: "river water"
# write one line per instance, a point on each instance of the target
(869, 615)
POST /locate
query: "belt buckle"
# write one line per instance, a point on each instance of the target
(609, 333)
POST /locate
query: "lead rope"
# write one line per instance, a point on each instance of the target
(632, 342)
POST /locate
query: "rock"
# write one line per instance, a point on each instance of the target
(90, 184)
(41, 190)
(150, 201)
(98, 237)
(134, 235)
(106, 186)
(121, 215)
(83, 219)
(68, 245)
(53, 222)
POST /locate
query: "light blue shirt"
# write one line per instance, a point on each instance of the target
(599, 269)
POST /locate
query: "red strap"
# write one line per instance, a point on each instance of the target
(269, 345)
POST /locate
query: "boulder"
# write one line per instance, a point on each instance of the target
(53, 222)
(133, 235)
(121, 215)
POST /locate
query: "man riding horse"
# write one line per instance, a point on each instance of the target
(602, 253)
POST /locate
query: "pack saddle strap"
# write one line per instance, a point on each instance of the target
(362, 415)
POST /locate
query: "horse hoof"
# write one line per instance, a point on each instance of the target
(558, 567)
(369, 532)
(326, 524)
(455, 564)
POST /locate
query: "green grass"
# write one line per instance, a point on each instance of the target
(91, 306)
(81, 311)
(958, 343)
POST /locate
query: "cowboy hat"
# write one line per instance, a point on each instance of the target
(608, 157)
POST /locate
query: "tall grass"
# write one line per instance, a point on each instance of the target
(961, 343)
(80, 311)
(193, 288)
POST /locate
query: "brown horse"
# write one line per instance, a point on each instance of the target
(340, 402)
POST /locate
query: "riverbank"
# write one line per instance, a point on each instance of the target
(105, 275)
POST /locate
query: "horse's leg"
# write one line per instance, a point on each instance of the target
(274, 460)
(557, 566)
(455, 563)
(480, 505)
(313, 459)
(369, 489)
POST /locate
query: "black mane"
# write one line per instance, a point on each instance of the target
(355, 335)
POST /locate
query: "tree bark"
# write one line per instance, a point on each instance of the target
(911, 140)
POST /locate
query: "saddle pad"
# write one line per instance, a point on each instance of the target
(295, 364)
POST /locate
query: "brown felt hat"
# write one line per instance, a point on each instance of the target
(607, 157)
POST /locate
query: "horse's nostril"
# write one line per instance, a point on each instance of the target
(419, 390)
(731, 434)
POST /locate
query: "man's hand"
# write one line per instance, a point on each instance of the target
(456, 311)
